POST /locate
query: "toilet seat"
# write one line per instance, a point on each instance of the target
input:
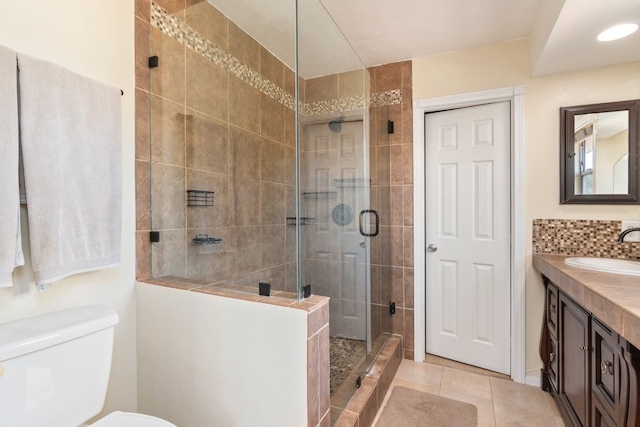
(130, 419)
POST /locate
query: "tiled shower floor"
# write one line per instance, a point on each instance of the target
(344, 355)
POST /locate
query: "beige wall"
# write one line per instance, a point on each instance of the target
(94, 39)
(507, 65)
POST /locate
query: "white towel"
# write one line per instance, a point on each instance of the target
(70, 131)
(10, 238)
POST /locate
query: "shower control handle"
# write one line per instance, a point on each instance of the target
(432, 247)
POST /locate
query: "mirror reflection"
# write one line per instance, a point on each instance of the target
(601, 161)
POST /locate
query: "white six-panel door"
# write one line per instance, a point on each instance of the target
(468, 231)
(336, 188)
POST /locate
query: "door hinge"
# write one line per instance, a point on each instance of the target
(153, 61)
(392, 307)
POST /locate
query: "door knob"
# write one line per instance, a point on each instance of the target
(432, 247)
(362, 244)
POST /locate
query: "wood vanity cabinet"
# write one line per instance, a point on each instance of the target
(590, 369)
(574, 361)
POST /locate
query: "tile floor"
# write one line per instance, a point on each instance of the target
(500, 402)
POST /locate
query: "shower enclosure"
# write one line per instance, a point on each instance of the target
(264, 164)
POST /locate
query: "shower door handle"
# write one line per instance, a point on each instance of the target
(362, 214)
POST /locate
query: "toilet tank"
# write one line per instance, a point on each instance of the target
(54, 368)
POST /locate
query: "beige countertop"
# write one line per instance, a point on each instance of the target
(612, 298)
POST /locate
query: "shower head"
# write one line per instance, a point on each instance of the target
(336, 125)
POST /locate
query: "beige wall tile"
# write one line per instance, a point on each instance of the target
(244, 153)
(245, 256)
(323, 370)
(313, 378)
(168, 79)
(272, 242)
(290, 127)
(245, 202)
(272, 118)
(243, 47)
(389, 76)
(207, 90)
(272, 161)
(207, 143)
(397, 206)
(351, 83)
(167, 131)
(143, 195)
(272, 208)
(143, 255)
(321, 89)
(143, 9)
(407, 200)
(408, 246)
(408, 289)
(142, 50)
(271, 68)
(209, 22)
(143, 126)
(244, 105)
(407, 123)
(171, 6)
(290, 81)
(169, 197)
(167, 255)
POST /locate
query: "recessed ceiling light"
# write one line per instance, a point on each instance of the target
(617, 32)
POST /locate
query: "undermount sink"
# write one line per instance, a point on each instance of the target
(609, 265)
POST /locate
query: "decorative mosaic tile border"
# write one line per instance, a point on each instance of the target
(178, 30)
(581, 238)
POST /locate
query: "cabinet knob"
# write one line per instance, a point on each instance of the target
(606, 367)
(584, 347)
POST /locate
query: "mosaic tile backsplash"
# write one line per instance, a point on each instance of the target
(578, 237)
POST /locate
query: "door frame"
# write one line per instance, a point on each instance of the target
(514, 94)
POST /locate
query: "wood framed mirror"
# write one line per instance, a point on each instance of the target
(599, 153)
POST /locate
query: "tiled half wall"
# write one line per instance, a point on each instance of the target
(580, 237)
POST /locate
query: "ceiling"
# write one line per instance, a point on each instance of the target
(562, 33)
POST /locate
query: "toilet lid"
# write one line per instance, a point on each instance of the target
(130, 419)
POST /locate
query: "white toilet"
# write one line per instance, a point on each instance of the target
(54, 370)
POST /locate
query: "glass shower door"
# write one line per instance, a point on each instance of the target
(336, 196)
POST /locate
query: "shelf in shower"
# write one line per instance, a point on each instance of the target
(199, 198)
(320, 195)
(203, 239)
(304, 220)
(352, 182)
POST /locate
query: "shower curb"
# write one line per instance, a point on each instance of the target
(366, 401)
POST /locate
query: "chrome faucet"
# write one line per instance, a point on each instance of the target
(625, 232)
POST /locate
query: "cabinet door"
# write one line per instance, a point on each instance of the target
(574, 369)
(552, 308)
(609, 374)
(601, 417)
(554, 360)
